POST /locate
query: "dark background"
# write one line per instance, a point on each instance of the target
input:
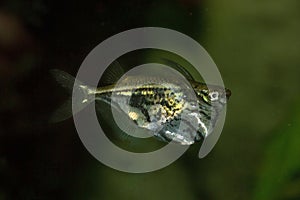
(256, 46)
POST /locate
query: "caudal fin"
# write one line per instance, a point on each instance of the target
(83, 98)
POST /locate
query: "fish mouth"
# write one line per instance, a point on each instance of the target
(228, 93)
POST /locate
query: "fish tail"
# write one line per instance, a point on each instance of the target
(84, 96)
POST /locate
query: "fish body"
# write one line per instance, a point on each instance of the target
(171, 109)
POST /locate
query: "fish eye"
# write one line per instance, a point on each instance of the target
(214, 96)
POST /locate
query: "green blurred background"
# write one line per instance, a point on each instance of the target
(256, 46)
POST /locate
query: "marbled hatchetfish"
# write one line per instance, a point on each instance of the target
(162, 105)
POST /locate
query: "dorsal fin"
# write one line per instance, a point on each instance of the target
(112, 74)
(179, 68)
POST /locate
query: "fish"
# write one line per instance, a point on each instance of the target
(171, 109)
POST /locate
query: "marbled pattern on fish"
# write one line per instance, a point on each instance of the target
(165, 108)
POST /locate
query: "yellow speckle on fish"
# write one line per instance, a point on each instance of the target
(178, 106)
(133, 115)
(147, 92)
(205, 98)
